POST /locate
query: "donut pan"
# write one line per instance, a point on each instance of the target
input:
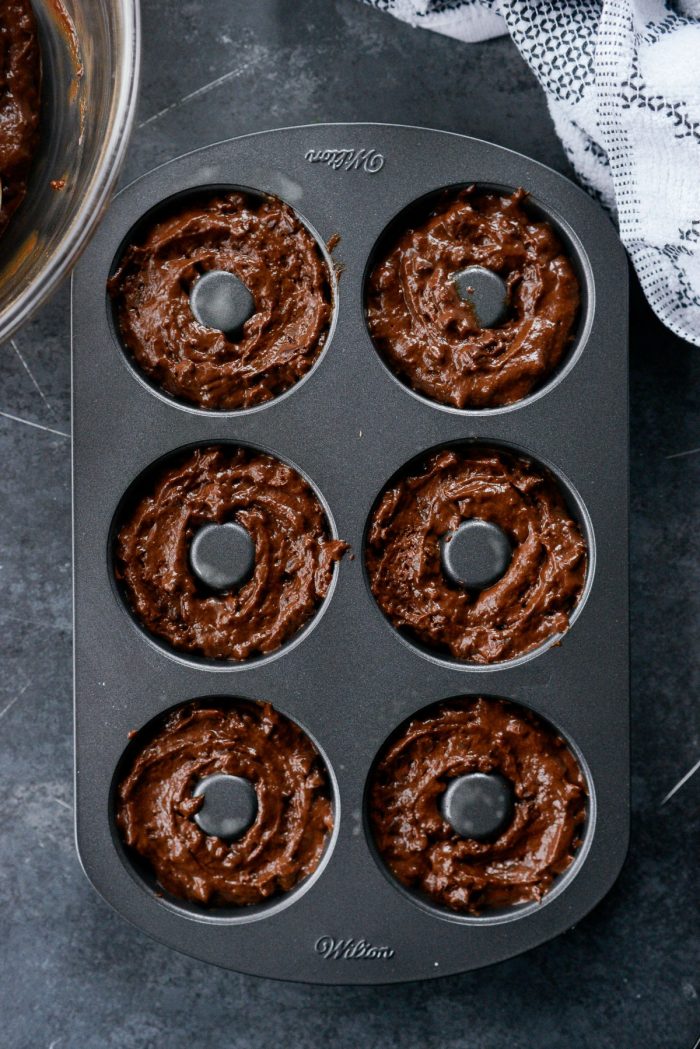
(350, 680)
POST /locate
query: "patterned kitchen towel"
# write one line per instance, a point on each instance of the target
(622, 79)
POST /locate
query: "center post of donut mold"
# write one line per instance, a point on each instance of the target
(485, 292)
(222, 555)
(220, 300)
(478, 805)
(476, 554)
(230, 806)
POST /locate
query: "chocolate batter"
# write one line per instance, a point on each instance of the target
(263, 243)
(294, 554)
(432, 339)
(155, 806)
(477, 735)
(20, 86)
(528, 604)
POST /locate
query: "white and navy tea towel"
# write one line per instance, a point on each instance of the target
(622, 79)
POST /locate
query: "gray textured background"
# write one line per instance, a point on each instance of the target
(75, 976)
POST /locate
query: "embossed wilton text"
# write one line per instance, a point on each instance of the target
(349, 159)
(340, 950)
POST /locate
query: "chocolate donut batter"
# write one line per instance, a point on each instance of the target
(528, 604)
(20, 99)
(294, 553)
(263, 243)
(477, 735)
(155, 806)
(432, 339)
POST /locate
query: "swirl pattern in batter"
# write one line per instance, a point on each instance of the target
(532, 600)
(432, 339)
(455, 739)
(263, 243)
(155, 805)
(294, 553)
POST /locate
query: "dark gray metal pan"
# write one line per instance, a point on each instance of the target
(351, 680)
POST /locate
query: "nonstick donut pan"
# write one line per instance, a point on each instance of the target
(348, 678)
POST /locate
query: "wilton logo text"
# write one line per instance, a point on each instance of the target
(348, 159)
(350, 950)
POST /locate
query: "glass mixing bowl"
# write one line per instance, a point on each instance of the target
(90, 65)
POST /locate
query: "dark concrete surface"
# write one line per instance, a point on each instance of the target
(73, 974)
